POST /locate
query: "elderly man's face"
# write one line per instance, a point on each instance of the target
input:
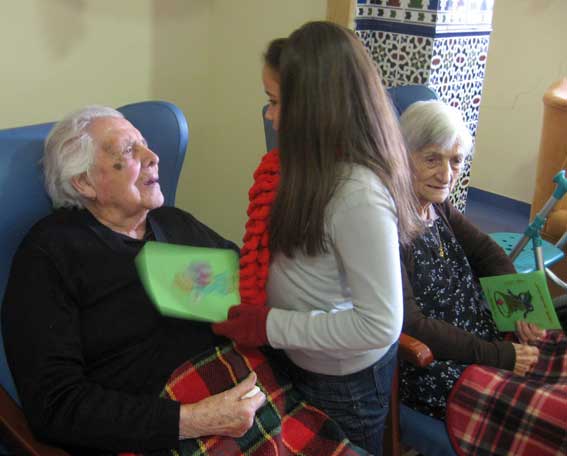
(435, 172)
(124, 174)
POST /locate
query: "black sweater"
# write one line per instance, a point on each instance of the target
(88, 351)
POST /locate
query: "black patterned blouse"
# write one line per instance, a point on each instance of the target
(445, 288)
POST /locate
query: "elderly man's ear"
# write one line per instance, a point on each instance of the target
(84, 186)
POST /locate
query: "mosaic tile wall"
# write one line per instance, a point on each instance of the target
(442, 44)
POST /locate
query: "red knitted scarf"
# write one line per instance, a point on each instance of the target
(255, 253)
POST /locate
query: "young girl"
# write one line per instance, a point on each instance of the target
(326, 214)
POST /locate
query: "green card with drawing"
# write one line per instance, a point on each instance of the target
(196, 283)
(515, 297)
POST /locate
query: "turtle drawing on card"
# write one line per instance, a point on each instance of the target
(512, 302)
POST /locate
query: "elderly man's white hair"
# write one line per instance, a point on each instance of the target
(69, 152)
(434, 123)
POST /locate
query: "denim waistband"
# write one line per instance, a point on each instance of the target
(309, 375)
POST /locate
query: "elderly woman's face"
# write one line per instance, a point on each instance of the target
(435, 172)
(124, 174)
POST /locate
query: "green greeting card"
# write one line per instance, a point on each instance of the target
(196, 283)
(515, 297)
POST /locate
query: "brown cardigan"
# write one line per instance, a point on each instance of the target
(447, 342)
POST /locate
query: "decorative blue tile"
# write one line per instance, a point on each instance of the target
(465, 96)
(459, 195)
(384, 49)
(414, 59)
(458, 59)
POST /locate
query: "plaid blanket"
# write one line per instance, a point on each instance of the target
(285, 425)
(494, 412)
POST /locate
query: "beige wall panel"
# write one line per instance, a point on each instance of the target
(229, 146)
(58, 55)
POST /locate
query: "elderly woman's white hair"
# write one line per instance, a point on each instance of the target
(434, 123)
(69, 152)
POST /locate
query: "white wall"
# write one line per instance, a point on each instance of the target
(528, 51)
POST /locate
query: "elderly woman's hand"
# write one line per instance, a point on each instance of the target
(228, 413)
(529, 333)
(526, 358)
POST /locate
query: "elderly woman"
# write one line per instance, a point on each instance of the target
(88, 350)
(443, 304)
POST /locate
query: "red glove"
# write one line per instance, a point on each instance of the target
(246, 325)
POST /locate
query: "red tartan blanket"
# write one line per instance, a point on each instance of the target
(494, 412)
(285, 425)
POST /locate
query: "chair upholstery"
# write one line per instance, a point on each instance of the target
(269, 132)
(410, 349)
(24, 200)
(403, 96)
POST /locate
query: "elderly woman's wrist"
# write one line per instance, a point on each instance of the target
(507, 355)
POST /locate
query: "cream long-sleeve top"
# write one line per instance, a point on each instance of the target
(338, 313)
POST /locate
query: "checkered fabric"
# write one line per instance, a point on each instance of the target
(283, 426)
(494, 412)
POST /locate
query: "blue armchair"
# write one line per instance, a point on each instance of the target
(24, 201)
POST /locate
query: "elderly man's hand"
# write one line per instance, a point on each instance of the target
(228, 413)
(529, 333)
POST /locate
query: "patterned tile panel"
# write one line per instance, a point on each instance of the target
(459, 195)
(458, 59)
(384, 48)
(414, 59)
(465, 96)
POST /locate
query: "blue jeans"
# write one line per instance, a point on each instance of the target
(423, 433)
(358, 402)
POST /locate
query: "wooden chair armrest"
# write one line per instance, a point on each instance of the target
(16, 434)
(414, 351)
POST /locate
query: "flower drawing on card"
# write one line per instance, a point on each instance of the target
(199, 280)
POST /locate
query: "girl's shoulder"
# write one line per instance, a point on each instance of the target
(360, 184)
(359, 188)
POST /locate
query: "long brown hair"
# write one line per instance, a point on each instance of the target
(334, 110)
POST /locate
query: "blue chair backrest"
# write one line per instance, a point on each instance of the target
(24, 201)
(401, 97)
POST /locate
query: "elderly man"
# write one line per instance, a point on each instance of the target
(88, 350)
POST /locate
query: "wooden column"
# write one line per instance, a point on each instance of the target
(341, 12)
